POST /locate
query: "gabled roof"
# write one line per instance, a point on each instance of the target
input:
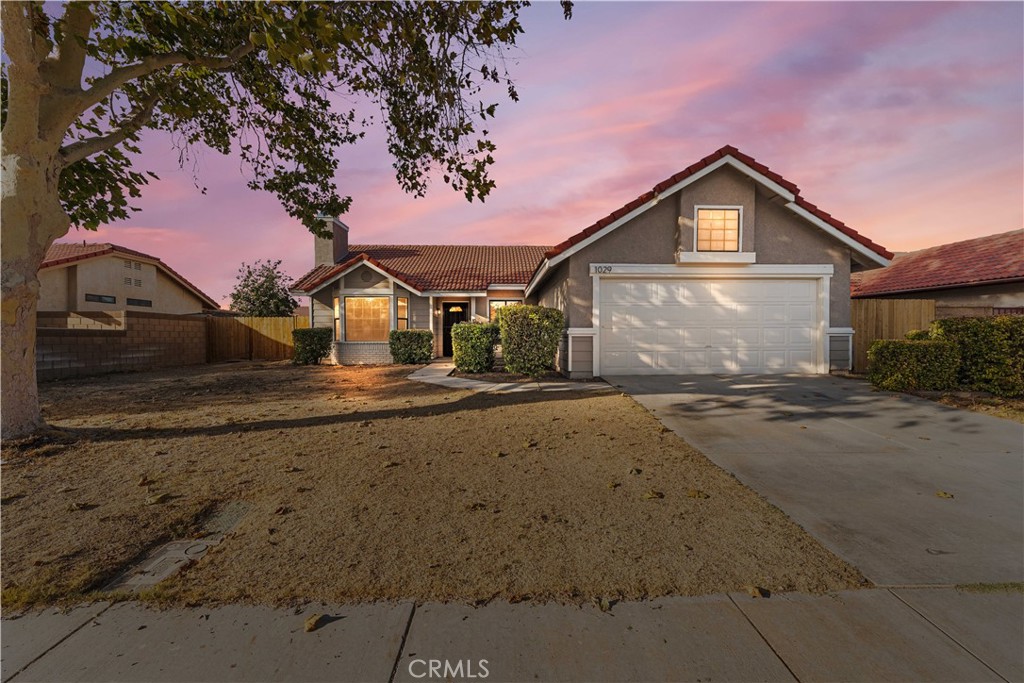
(63, 253)
(981, 261)
(743, 163)
(435, 267)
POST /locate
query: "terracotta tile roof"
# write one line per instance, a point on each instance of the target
(61, 253)
(983, 260)
(728, 150)
(437, 267)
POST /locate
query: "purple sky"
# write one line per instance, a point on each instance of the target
(904, 120)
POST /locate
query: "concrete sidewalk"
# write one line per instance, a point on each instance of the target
(439, 373)
(933, 634)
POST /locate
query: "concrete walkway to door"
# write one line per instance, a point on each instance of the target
(862, 470)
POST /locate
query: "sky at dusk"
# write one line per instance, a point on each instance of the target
(904, 120)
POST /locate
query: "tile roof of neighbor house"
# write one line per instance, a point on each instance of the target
(437, 267)
(980, 261)
(728, 150)
(61, 253)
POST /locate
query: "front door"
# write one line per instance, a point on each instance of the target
(452, 313)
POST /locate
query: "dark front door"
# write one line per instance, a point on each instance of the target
(452, 313)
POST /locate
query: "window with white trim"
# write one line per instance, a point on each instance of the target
(367, 318)
(494, 304)
(718, 229)
(403, 313)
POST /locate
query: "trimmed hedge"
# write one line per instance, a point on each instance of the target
(312, 345)
(917, 335)
(991, 352)
(473, 346)
(908, 365)
(411, 347)
(529, 338)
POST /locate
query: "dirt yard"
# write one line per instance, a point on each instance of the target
(361, 485)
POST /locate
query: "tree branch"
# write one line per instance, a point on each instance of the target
(90, 146)
(105, 86)
(67, 67)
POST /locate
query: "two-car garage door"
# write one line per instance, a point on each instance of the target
(709, 326)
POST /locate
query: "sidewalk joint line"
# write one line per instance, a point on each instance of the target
(57, 644)
(943, 632)
(762, 636)
(401, 646)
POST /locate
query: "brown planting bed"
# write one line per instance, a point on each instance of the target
(359, 484)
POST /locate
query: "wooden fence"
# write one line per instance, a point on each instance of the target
(245, 338)
(874, 319)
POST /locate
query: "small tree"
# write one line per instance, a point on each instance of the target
(262, 291)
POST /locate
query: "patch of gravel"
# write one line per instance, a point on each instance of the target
(361, 485)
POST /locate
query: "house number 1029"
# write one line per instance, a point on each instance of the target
(602, 269)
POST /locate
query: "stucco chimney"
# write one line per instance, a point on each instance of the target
(333, 250)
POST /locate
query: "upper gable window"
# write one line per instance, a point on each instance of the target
(718, 228)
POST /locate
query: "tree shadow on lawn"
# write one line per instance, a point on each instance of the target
(472, 401)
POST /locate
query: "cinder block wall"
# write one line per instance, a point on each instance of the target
(144, 341)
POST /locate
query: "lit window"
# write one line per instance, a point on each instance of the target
(403, 313)
(495, 304)
(337, 319)
(367, 318)
(718, 229)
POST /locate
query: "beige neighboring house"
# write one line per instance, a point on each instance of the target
(107, 277)
(721, 268)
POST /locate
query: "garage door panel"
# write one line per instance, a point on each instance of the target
(719, 326)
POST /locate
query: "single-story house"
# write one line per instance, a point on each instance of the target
(107, 277)
(720, 268)
(982, 273)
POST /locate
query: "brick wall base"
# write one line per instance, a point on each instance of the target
(361, 353)
(144, 341)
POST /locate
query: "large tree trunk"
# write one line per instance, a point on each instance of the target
(32, 218)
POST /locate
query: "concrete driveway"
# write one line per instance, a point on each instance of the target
(860, 469)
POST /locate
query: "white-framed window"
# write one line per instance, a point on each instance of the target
(717, 228)
(402, 321)
(367, 318)
(494, 304)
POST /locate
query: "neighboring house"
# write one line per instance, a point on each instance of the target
(982, 272)
(721, 268)
(108, 277)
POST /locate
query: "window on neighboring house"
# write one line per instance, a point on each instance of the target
(138, 283)
(403, 313)
(367, 318)
(718, 229)
(337, 319)
(128, 282)
(127, 263)
(140, 302)
(495, 304)
(101, 298)
(138, 266)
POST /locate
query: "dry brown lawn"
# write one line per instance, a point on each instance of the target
(362, 485)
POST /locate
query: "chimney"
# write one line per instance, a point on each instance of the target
(333, 250)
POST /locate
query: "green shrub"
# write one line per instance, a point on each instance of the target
(991, 352)
(907, 365)
(917, 335)
(529, 338)
(411, 346)
(473, 346)
(312, 345)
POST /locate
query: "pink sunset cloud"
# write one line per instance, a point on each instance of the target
(902, 119)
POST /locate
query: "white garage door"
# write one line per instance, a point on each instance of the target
(710, 326)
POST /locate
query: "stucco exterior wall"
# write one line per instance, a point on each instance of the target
(775, 234)
(64, 288)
